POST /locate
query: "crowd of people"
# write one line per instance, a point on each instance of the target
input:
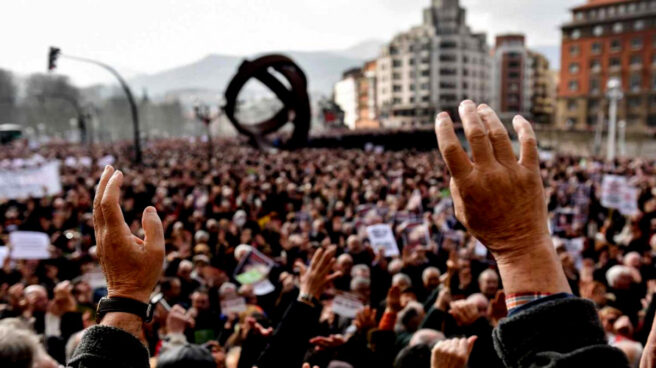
(240, 232)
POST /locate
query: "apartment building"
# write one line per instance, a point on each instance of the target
(431, 68)
(521, 82)
(355, 94)
(608, 39)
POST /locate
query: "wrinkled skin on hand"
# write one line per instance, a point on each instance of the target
(131, 265)
(498, 198)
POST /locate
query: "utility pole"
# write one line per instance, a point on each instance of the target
(55, 53)
(615, 94)
(622, 138)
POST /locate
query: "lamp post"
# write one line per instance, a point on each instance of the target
(614, 91)
(54, 53)
(203, 113)
(622, 137)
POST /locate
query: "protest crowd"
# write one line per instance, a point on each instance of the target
(327, 257)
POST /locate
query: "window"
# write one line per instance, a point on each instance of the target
(425, 86)
(396, 63)
(635, 82)
(636, 43)
(574, 68)
(639, 25)
(615, 62)
(571, 105)
(425, 73)
(634, 102)
(573, 86)
(595, 64)
(636, 60)
(596, 48)
(411, 61)
(598, 30)
(578, 16)
(448, 57)
(615, 45)
(595, 86)
(396, 76)
(396, 88)
(576, 34)
(618, 27)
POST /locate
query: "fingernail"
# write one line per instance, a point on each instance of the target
(150, 209)
(441, 118)
(468, 105)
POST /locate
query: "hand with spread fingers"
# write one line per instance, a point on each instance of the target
(452, 353)
(131, 265)
(318, 275)
(501, 199)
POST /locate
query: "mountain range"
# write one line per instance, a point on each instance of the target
(213, 72)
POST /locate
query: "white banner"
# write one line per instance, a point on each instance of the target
(235, 305)
(382, 236)
(30, 182)
(29, 245)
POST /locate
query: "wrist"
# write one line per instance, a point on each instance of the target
(532, 267)
(140, 296)
(127, 322)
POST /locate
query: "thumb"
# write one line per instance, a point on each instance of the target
(470, 343)
(153, 229)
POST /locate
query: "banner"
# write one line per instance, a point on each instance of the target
(234, 305)
(382, 236)
(29, 245)
(30, 182)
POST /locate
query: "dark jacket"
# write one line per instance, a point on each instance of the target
(556, 333)
(553, 333)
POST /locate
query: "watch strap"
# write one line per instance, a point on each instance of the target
(125, 305)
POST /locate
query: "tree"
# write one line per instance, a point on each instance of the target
(7, 97)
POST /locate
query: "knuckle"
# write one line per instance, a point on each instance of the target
(498, 134)
(528, 139)
(450, 149)
(477, 134)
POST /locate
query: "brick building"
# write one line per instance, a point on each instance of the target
(608, 39)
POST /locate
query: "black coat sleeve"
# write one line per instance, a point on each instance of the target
(105, 347)
(556, 334)
(290, 341)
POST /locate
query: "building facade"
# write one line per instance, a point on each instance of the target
(431, 68)
(521, 81)
(608, 39)
(355, 94)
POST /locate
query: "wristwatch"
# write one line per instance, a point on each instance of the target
(308, 299)
(125, 305)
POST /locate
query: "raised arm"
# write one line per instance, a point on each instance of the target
(132, 267)
(501, 201)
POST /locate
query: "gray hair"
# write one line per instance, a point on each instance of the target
(614, 273)
(18, 347)
(401, 277)
(426, 336)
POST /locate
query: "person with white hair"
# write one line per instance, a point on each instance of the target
(20, 347)
(627, 293)
(402, 281)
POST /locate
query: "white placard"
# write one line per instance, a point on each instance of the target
(95, 278)
(4, 252)
(629, 205)
(30, 182)
(29, 245)
(234, 305)
(263, 287)
(382, 236)
(612, 188)
(347, 305)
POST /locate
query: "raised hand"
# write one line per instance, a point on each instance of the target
(315, 278)
(452, 353)
(464, 312)
(501, 199)
(132, 266)
(178, 320)
(365, 319)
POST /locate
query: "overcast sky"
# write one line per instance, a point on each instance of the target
(145, 36)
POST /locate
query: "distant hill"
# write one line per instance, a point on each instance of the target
(214, 72)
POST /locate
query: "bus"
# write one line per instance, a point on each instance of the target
(10, 132)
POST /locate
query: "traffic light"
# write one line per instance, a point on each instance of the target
(53, 54)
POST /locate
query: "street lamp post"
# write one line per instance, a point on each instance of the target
(622, 137)
(615, 94)
(203, 113)
(55, 53)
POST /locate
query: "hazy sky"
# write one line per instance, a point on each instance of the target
(140, 36)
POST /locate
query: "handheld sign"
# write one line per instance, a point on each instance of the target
(233, 305)
(382, 236)
(29, 245)
(347, 305)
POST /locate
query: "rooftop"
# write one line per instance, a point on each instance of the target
(598, 3)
